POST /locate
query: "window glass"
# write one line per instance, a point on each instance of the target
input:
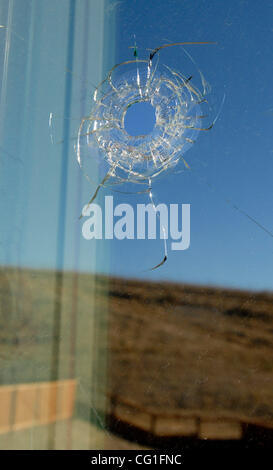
(121, 325)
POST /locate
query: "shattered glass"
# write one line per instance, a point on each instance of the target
(179, 111)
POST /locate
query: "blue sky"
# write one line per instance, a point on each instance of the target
(233, 161)
(231, 164)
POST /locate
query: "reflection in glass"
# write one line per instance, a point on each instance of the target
(96, 352)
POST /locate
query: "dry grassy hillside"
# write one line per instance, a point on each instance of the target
(175, 347)
(168, 346)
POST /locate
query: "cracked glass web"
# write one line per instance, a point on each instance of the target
(181, 111)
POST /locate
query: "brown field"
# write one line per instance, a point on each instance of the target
(160, 349)
(188, 348)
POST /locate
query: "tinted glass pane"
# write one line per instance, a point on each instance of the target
(136, 229)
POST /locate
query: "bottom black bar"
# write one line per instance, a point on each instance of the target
(215, 456)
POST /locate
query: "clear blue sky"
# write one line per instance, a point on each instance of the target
(234, 161)
(235, 158)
